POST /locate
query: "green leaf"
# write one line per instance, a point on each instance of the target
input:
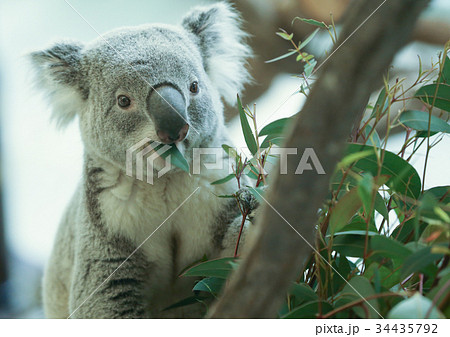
(292, 52)
(251, 171)
(272, 140)
(349, 245)
(418, 120)
(360, 286)
(443, 287)
(387, 277)
(405, 232)
(381, 103)
(232, 153)
(312, 22)
(309, 67)
(403, 177)
(347, 206)
(372, 136)
(365, 191)
(285, 36)
(224, 180)
(276, 127)
(386, 247)
(380, 206)
(308, 39)
(415, 307)
(433, 203)
(248, 133)
(352, 157)
(424, 134)
(226, 196)
(439, 193)
(427, 92)
(309, 310)
(257, 192)
(219, 268)
(358, 224)
(302, 293)
(445, 75)
(345, 268)
(211, 285)
(418, 261)
(357, 232)
(344, 210)
(176, 158)
(186, 301)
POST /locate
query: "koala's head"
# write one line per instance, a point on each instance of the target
(159, 82)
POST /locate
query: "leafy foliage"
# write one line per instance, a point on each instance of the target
(383, 240)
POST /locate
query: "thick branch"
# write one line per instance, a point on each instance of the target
(347, 79)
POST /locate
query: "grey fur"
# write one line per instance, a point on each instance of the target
(111, 214)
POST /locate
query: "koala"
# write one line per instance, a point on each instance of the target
(123, 242)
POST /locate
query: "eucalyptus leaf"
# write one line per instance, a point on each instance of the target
(344, 210)
(309, 67)
(418, 261)
(186, 301)
(427, 94)
(211, 285)
(312, 22)
(176, 158)
(418, 120)
(308, 39)
(309, 310)
(445, 75)
(292, 52)
(247, 131)
(272, 141)
(380, 206)
(387, 247)
(349, 245)
(403, 178)
(276, 127)
(372, 136)
(381, 104)
(285, 36)
(365, 191)
(302, 293)
(360, 286)
(224, 180)
(415, 307)
(219, 268)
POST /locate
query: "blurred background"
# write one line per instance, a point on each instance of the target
(41, 166)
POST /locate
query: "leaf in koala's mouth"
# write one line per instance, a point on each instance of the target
(176, 157)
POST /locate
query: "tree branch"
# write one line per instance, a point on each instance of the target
(347, 79)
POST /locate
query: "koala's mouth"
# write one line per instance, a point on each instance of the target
(162, 150)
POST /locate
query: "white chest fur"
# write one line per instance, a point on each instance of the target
(176, 207)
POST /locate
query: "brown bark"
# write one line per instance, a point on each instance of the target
(346, 80)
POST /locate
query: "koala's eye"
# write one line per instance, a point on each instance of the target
(123, 101)
(194, 87)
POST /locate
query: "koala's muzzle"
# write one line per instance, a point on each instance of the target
(168, 110)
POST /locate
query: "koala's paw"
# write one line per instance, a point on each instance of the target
(248, 201)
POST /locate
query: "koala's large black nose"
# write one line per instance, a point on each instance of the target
(168, 110)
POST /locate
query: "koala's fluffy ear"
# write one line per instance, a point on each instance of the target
(58, 72)
(221, 42)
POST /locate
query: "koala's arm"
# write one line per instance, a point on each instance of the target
(99, 288)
